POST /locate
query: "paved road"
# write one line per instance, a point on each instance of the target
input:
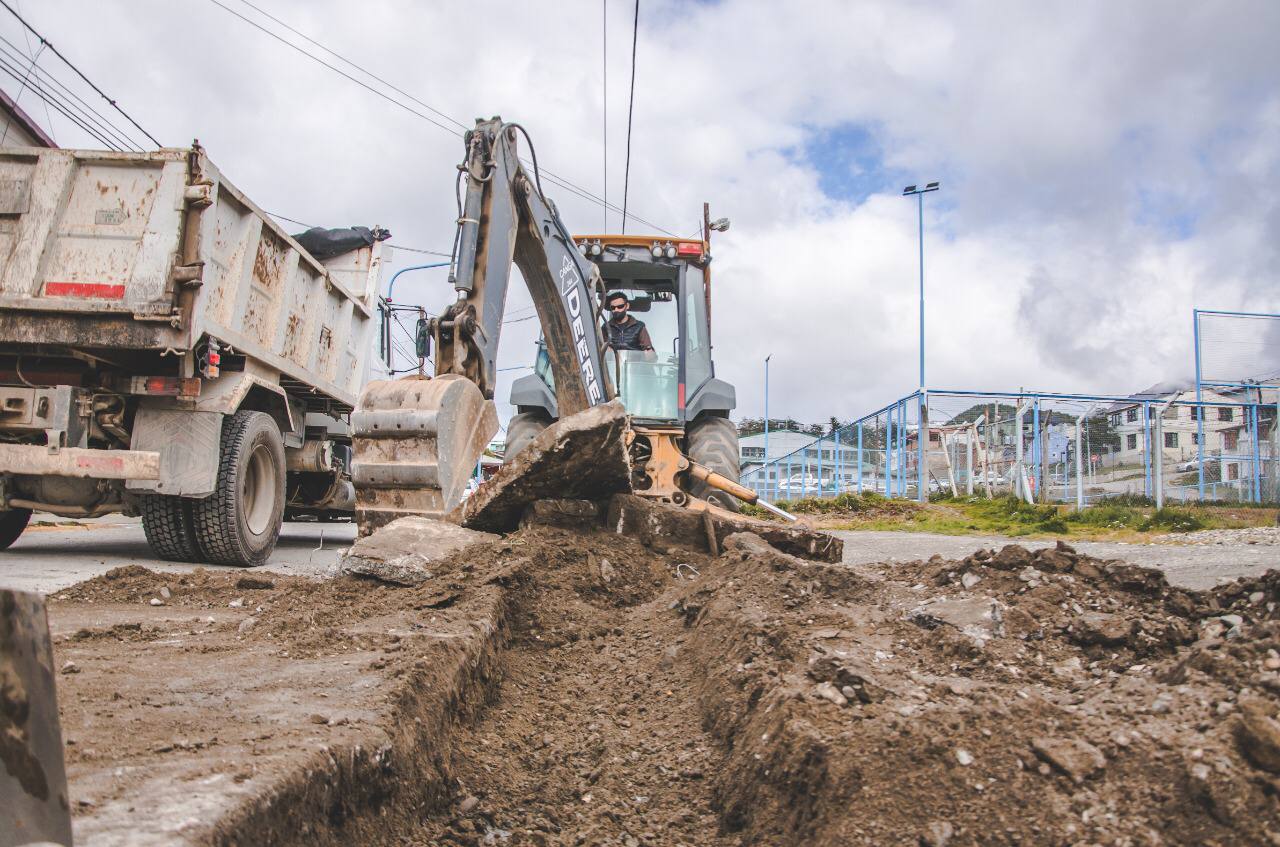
(48, 558)
(1188, 566)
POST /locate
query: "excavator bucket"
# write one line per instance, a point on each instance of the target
(416, 442)
(34, 807)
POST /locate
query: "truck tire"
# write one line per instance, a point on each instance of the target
(168, 525)
(12, 523)
(713, 443)
(240, 522)
(522, 429)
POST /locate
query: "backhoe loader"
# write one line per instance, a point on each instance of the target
(416, 440)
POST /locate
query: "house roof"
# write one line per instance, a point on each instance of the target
(22, 119)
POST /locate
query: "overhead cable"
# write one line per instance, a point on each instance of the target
(555, 179)
(631, 103)
(44, 41)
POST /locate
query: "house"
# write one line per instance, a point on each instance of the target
(1179, 428)
(17, 129)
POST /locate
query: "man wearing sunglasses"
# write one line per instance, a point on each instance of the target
(623, 331)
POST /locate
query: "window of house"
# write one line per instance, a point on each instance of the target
(1115, 419)
(1229, 440)
(1131, 415)
(1195, 438)
(1226, 414)
(1233, 471)
(1131, 441)
(1171, 439)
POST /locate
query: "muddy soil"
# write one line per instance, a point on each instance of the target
(641, 697)
(596, 736)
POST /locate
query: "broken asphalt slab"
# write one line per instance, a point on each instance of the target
(581, 457)
(402, 551)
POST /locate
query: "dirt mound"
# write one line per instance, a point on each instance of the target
(632, 695)
(1008, 698)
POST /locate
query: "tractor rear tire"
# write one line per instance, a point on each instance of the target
(713, 443)
(239, 523)
(12, 523)
(522, 429)
(169, 528)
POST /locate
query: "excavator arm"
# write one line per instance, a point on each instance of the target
(506, 220)
(416, 441)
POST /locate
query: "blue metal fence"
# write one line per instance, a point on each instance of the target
(1043, 447)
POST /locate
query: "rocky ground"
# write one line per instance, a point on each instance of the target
(560, 687)
(1251, 535)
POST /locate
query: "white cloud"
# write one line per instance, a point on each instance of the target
(1105, 166)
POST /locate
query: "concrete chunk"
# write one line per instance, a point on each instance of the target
(580, 457)
(402, 551)
(662, 526)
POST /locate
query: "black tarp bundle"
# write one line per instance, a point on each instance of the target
(326, 243)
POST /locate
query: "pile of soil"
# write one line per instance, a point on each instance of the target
(669, 698)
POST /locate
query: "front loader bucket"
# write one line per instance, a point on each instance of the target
(416, 442)
(34, 807)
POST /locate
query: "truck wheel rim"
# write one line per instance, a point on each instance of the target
(259, 490)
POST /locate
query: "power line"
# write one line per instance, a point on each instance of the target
(38, 90)
(26, 37)
(90, 114)
(631, 103)
(44, 41)
(556, 179)
(364, 71)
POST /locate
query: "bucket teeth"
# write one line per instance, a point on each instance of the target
(416, 442)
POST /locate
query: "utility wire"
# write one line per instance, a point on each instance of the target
(26, 37)
(44, 41)
(22, 88)
(631, 103)
(352, 64)
(66, 95)
(39, 91)
(555, 179)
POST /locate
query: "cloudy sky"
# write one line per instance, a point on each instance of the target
(1105, 166)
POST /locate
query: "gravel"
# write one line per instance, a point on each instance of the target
(1196, 566)
(1224, 537)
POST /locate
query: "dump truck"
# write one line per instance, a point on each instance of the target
(167, 350)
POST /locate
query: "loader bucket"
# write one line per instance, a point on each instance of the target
(416, 442)
(33, 782)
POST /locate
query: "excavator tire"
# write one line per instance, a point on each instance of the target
(713, 443)
(415, 443)
(523, 428)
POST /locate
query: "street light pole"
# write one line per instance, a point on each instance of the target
(919, 195)
(922, 427)
(766, 408)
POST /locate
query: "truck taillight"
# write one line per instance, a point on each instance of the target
(165, 386)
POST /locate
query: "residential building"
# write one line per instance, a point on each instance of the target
(17, 129)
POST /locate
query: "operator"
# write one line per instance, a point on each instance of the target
(623, 331)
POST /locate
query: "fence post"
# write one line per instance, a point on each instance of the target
(922, 438)
(859, 457)
(1146, 448)
(1195, 323)
(1018, 451)
(1037, 454)
(820, 438)
(889, 438)
(1159, 458)
(1079, 465)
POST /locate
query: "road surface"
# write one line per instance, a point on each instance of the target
(49, 558)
